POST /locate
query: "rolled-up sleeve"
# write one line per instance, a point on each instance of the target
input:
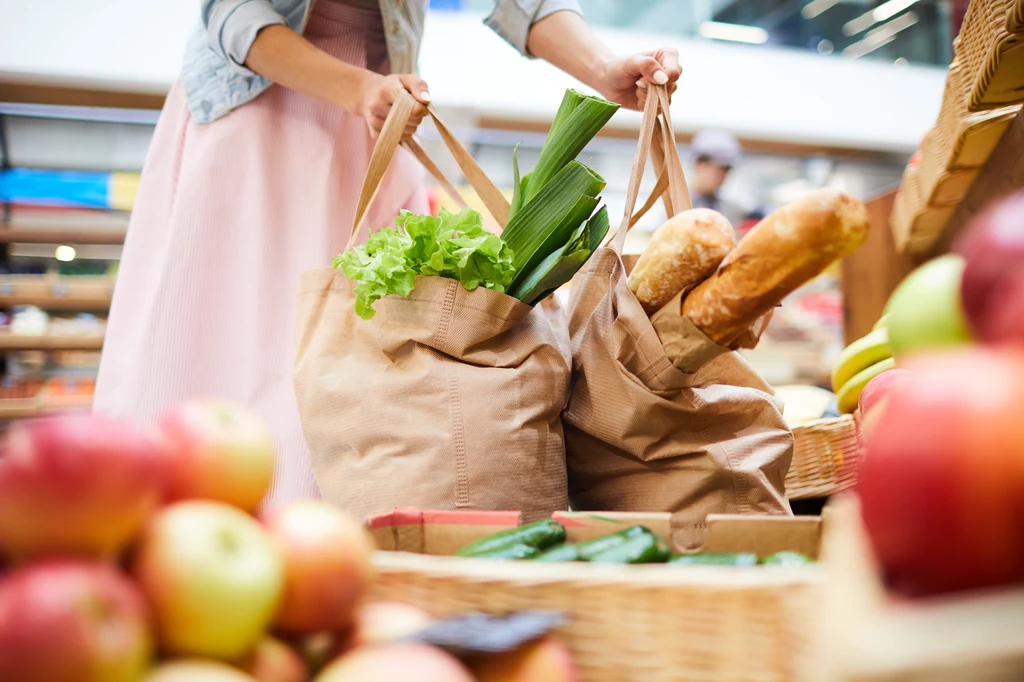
(512, 19)
(232, 25)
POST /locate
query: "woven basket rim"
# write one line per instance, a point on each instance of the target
(824, 423)
(719, 578)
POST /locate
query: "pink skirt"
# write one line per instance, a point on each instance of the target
(228, 216)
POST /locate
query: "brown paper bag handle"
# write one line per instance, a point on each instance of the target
(678, 192)
(671, 185)
(387, 144)
(657, 138)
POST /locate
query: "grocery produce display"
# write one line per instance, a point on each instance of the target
(129, 557)
(554, 224)
(943, 469)
(924, 314)
(544, 541)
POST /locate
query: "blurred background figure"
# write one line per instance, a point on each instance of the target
(749, 221)
(715, 153)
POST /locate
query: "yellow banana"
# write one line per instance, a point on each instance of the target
(860, 355)
(882, 322)
(849, 395)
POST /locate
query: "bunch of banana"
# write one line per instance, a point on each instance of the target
(859, 363)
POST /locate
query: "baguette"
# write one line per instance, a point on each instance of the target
(789, 248)
(682, 253)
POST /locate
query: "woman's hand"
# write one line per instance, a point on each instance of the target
(565, 40)
(378, 94)
(287, 58)
(624, 79)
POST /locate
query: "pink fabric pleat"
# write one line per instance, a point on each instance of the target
(228, 216)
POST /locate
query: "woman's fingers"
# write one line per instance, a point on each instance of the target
(416, 87)
(384, 96)
(376, 124)
(646, 67)
(418, 112)
(669, 59)
(641, 96)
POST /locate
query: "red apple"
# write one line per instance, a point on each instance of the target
(216, 451)
(993, 247)
(327, 566)
(877, 388)
(213, 576)
(72, 621)
(75, 484)
(275, 661)
(396, 663)
(545, 661)
(942, 478)
(1006, 323)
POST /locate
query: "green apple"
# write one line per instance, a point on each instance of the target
(925, 313)
(213, 576)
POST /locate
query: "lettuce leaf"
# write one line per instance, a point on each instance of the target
(452, 245)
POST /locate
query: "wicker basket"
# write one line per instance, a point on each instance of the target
(962, 139)
(991, 48)
(1015, 20)
(634, 623)
(923, 229)
(825, 456)
(908, 202)
(952, 186)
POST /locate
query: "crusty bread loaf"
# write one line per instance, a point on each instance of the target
(790, 247)
(682, 253)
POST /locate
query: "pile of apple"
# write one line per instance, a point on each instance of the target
(942, 478)
(130, 557)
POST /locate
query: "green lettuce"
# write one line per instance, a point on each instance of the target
(452, 245)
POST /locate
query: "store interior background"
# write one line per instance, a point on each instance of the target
(820, 93)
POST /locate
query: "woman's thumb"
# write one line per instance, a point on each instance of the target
(647, 67)
(416, 87)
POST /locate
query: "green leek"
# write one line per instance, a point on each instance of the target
(579, 119)
(562, 266)
(552, 228)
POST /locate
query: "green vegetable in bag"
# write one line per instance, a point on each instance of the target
(452, 245)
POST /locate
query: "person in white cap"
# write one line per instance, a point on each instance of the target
(715, 153)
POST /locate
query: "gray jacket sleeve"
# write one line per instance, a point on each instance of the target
(512, 19)
(232, 25)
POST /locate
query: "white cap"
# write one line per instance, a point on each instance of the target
(718, 145)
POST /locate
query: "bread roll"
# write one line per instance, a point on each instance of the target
(789, 248)
(682, 253)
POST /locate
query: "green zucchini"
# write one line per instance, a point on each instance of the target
(540, 534)
(639, 549)
(787, 559)
(519, 552)
(567, 552)
(597, 545)
(716, 559)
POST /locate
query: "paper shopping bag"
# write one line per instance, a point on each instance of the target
(447, 399)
